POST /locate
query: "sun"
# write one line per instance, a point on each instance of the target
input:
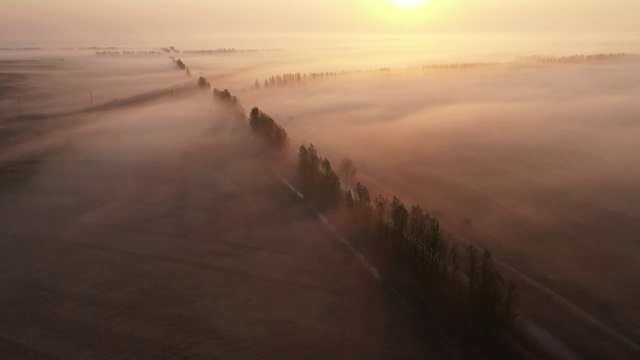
(409, 4)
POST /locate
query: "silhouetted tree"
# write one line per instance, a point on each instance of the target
(362, 196)
(349, 199)
(382, 211)
(347, 170)
(203, 83)
(399, 217)
(264, 126)
(455, 266)
(472, 271)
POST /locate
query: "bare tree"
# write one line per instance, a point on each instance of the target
(347, 170)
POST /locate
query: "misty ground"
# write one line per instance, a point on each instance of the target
(158, 231)
(167, 210)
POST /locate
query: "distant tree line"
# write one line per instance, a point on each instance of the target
(468, 278)
(291, 79)
(97, 48)
(169, 50)
(128, 53)
(182, 66)
(225, 95)
(284, 80)
(203, 83)
(226, 51)
(577, 58)
(19, 49)
(465, 278)
(261, 124)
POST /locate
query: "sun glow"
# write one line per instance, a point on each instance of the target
(406, 15)
(409, 4)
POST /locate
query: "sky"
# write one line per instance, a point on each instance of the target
(153, 20)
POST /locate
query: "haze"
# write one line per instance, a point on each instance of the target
(471, 193)
(191, 22)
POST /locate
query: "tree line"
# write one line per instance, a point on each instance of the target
(128, 53)
(577, 58)
(284, 80)
(466, 278)
(266, 128)
(182, 66)
(293, 79)
(261, 124)
(226, 51)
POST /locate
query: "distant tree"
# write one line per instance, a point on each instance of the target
(472, 271)
(203, 83)
(361, 195)
(417, 223)
(399, 217)
(486, 273)
(256, 85)
(349, 199)
(330, 182)
(455, 266)
(381, 210)
(304, 164)
(181, 64)
(347, 170)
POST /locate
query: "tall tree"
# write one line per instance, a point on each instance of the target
(472, 271)
(347, 170)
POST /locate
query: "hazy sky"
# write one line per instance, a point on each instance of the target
(154, 20)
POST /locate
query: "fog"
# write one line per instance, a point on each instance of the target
(149, 225)
(537, 162)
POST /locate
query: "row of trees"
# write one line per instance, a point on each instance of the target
(411, 235)
(299, 79)
(226, 96)
(19, 49)
(182, 66)
(266, 128)
(319, 179)
(231, 101)
(221, 51)
(170, 49)
(284, 80)
(577, 58)
(128, 53)
(203, 83)
(466, 280)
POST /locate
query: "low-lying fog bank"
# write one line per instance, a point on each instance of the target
(540, 165)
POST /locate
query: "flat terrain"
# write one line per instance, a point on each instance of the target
(537, 163)
(159, 232)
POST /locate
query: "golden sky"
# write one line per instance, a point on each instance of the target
(35, 20)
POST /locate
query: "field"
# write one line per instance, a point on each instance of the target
(158, 230)
(154, 224)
